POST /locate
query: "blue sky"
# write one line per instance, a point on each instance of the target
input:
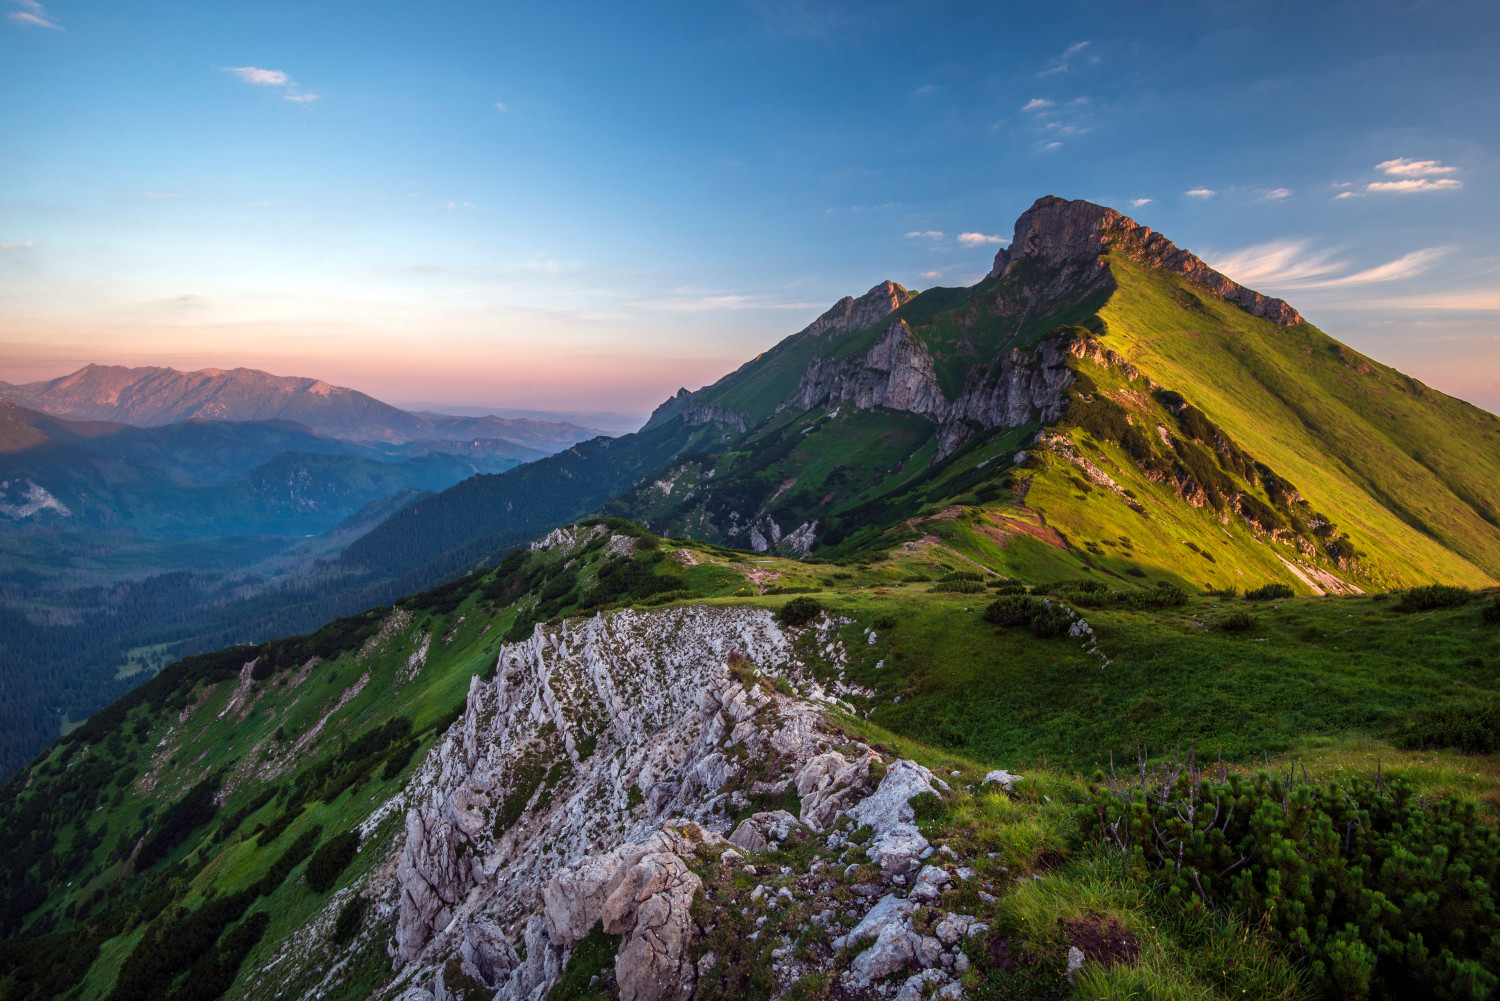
(585, 206)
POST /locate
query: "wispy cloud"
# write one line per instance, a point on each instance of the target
(1276, 195)
(18, 246)
(1204, 193)
(925, 89)
(1295, 264)
(1403, 167)
(692, 300)
(33, 14)
(261, 77)
(1410, 177)
(1410, 185)
(500, 106)
(1136, 203)
(930, 234)
(1052, 145)
(978, 239)
(930, 274)
(1037, 104)
(1069, 56)
(159, 195)
(459, 205)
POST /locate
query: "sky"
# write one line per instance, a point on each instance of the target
(585, 206)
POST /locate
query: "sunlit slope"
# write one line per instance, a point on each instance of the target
(1412, 475)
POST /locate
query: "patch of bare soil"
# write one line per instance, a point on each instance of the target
(1104, 942)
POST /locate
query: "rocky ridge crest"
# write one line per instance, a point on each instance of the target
(1076, 234)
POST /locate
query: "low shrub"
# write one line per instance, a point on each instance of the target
(1471, 726)
(1374, 891)
(1425, 599)
(1163, 595)
(351, 918)
(1012, 610)
(1270, 592)
(885, 622)
(329, 861)
(1491, 613)
(799, 612)
(1236, 622)
(1007, 586)
(1051, 622)
(958, 587)
(926, 806)
(960, 575)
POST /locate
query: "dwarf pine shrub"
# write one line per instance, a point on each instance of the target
(1425, 599)
(1270, 592)
(1375, 892)
(1236, 622)
(799, 612)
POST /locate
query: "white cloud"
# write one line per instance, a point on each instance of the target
(925, 89)
(1414, 184)
(1051, 146)
(930, 274)
(500, 106)
(1277, 194)
(259, 77)
(458, 205)
(1062, 62)
(302, 98)
(1294, 264)
(17, 246)
(1346, 194)
(1200, 193)
(34, 14)
(1037, 104)
(978, 239)
(1136, 203)
(1403, 167)
(162, 194)
(931, 234)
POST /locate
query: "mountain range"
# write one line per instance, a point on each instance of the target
(796, 691)
(151, 397)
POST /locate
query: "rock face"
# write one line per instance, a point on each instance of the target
(1073, 234)
(626, 729)
(896, 372)
(850, 314)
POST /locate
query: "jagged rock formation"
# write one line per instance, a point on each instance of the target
(850, 314)
(1073, 236)
(593, 734)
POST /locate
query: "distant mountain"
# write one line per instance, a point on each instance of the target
(206, 479)
(152, 397)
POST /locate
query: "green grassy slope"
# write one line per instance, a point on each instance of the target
(298, 749)
(1413, 474)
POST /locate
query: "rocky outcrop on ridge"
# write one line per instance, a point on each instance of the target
(850, 314)
(1073, 236)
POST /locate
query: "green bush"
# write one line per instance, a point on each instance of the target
(1012, 610)
(1236, 622)
(1425, 599)
(331, 860)
(957, 575)
(351, 918)
(1491, 613)
(926, 806)
(1472, 726)
(1375, 892)
(1163, 595)
(1007, 586)
(885, 622)
(1270, 592)
(1052, 621)
(799, 612)
(958, 587)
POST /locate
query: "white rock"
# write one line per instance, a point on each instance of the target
(1003, 778)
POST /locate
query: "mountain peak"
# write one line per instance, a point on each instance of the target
(1059, 231)
(850, 314)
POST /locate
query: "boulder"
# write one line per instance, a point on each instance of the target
(1004, 779)
(928, 887)
(830, 784)
(756, 832)
(650, 908)
(897, 850)
(888, 805)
